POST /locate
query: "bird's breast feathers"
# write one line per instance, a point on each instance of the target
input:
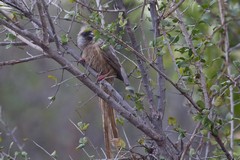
(93, 56)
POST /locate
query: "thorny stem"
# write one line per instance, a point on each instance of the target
(159, 63)
(226, 50)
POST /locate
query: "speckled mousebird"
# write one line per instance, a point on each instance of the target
(105, 62)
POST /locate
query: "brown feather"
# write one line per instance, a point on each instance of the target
(104, 62)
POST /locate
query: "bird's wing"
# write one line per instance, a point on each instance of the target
(112, 59)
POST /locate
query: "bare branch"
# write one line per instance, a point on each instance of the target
(161, 92)
(13, 62)
(174, 7)
(135, 47)
(12, 43)
(44, 150)
(186, 148)
(98, 10)
(43, 22)
(226, 50)
(234, 48)
(51, 25)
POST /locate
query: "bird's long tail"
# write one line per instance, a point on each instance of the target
(109, 126)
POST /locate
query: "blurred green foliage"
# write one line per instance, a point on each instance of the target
(25, 88)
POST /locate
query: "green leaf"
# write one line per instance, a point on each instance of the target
(64, 39)
(201, 104)
(118, 142)
(215, 88)
(175, 40)
(120, 121)
(10, 37)
(54, 154)
(82, 142)
(139, 105)
(129, 88)
(8, 46)
(122, 22)
(182, 49)
(72, 1)
(182, 132)
(204, 132)
(52, 98)
(83, 126)
(24, 154)
(96, 34)
(236, 63)
(172, 121)
(192, 152)
(141, 141)
(53, 78)
(218, 101)
(69, 15)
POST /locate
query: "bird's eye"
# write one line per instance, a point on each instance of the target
(87, 33)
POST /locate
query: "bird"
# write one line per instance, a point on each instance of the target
(104, 61)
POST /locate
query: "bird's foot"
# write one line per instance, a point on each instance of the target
(81, 60)
(102, 77)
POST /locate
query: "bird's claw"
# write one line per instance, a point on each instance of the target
(81, 60)
(101, 77)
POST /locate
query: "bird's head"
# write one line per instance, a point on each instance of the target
(85, 36)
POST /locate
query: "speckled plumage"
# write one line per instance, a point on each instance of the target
(105, 62)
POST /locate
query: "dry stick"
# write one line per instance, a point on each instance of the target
(237, 46)
(98, 10)
(145, 76)
(51, 25)
(161, 91)
(190, 141)
(226, 50)
(42, 17)
(142, 30)
(12, 43)
(27, 14)
(22, 60)
(23, 39)
(44, 150)
(176, 6)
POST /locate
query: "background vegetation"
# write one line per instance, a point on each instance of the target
(182, 58)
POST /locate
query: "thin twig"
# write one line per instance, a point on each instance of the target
(22, 60)
(98, 10)
(135, 8)
(51, 25)
(226, 50)
(190, 141)
(42, 17)
(158, 114)
(125, 135)
(237, 46)
(176, 6)
(12, 43)
(77, 127)
(44, 150)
